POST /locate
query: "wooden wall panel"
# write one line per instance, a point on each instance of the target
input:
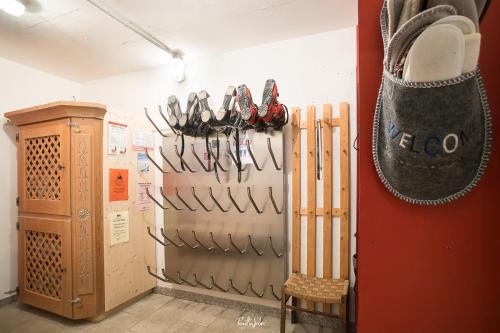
(344, 191)
(327, 194)
(125, 270)
(311, 193)
(296, 191)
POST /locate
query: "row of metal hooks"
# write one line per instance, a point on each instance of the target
(210, 152)
(216, 245)
(216, 202)
(213, 284)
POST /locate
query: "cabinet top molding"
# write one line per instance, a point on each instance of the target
(56, 110)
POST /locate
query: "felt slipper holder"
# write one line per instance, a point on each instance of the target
(431, 140)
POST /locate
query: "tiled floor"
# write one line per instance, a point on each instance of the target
(154, 313)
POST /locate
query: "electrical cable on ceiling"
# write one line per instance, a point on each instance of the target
(136, 28)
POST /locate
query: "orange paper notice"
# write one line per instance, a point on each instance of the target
(118, 184)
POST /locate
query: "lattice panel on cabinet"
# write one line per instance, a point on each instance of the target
(43, 160)
(43, 263)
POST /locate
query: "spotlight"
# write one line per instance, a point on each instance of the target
(179, 69)
(12, 7)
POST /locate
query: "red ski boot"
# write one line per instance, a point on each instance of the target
(249, 111)
(273, 113)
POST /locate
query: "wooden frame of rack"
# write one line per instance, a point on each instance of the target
(326, 211)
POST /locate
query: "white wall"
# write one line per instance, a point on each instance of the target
(20, 87)
(315, 69)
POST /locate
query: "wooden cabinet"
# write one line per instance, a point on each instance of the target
(61, 264)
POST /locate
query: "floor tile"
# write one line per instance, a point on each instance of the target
(185, 327)
(119, 322)
(226, 322)
(203, 314)
(147, 305)
(164, 317)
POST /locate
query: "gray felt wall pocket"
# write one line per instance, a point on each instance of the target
(431, 140)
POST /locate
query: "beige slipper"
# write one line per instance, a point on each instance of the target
(466, 8)
(437, 54)
(463, 23)
(472, 48)
(471, 37)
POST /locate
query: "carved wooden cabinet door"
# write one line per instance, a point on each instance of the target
(44, 154)
(85, 170)
(45, 277)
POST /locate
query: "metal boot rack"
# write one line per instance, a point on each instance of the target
(229, 237)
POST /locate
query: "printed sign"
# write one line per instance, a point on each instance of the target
(119, 227)
(244, 154)
(118, 184)
(117, 139)
(143, 201)
(142, 139)
(142, 163)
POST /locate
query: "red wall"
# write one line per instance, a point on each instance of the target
(426, 269)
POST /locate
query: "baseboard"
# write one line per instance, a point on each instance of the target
(7, 300)
(268, 309)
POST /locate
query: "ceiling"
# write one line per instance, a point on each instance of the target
(75, 40)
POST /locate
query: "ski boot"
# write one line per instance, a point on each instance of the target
(273, 113)
(207, 115)
(224, 116)
(187, 122)
(174, 111)
(249, 110)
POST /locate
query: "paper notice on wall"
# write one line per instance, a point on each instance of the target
(118, 184)
(142, 139)
(142, 200)
(245, 157)
(142, 163)
(118, 227)
(117, 138)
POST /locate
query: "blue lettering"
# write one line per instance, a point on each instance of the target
(393, 131)
(427, 149)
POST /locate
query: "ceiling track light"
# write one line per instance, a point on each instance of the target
(135, 28)
(12, 7)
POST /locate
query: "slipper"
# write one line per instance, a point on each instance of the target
(398, 44)
(437, 54)
(466, 8)
(472, 40)
(431, 140)
(463, 23)
(472, 48)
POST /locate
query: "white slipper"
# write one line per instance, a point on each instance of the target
(466, 8)
(463, 23)
(471, 37)
(437, 54)
(404, 37)
(472, 48)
